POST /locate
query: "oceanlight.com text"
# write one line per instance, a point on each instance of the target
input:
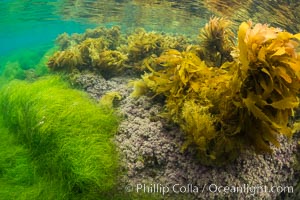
(211, 188)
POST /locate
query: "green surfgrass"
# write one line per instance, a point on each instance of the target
(67, 135)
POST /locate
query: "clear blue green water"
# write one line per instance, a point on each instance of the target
(34, 24)
(28, 28)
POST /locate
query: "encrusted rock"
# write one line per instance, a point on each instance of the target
(151, 153)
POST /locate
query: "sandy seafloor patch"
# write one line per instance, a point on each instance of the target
(153, 162)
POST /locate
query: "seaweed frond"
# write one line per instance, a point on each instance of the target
(216, 42)
(241, 104)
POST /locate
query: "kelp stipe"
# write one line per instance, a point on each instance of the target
(69, 136)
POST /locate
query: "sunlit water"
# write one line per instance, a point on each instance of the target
(33, 25)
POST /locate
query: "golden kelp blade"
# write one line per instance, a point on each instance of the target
(241, 104)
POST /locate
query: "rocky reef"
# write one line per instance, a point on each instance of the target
(205, 113)
(240, 104)
(151, 153)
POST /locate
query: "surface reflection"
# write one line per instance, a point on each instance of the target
(181, 16)
(160, 15)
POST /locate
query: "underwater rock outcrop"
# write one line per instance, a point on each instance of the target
(225, 97)
(91, 54)
(142, 45)
(150, 150)
(112, 36)
(242, 104)
(107, 52)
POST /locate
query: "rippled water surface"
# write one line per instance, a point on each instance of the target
(32, 23)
